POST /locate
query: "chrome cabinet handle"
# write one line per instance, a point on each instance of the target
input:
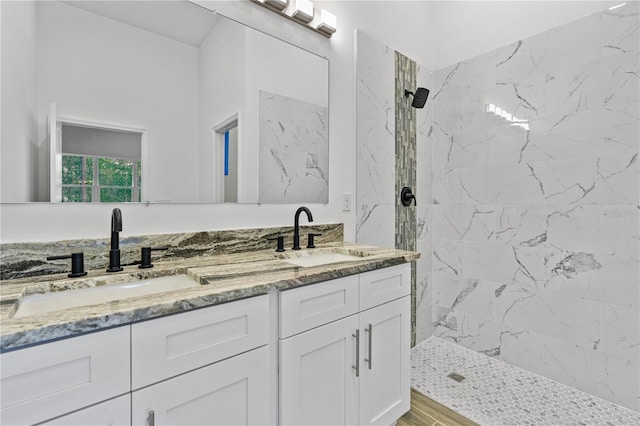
(369, 330)
(151, 418)
(357, 366)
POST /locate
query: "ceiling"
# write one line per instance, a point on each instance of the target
(178, 20)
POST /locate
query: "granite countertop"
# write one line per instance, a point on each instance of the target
(223, 278)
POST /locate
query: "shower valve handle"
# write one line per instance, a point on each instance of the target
(406, 196)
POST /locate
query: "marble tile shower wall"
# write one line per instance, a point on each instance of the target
(536, 204)
(375, 142)
(377, 178)
(294, 139)
(424, 210)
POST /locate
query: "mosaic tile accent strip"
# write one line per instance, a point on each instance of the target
(496, 393)
(406, 163)
(405, 150)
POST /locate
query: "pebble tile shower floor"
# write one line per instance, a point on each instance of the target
(496, 393)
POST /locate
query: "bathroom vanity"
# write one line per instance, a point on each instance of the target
(259, 340)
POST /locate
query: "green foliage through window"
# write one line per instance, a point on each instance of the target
(118, 180)
(115, 172)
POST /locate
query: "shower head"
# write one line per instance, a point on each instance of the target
(419, 98)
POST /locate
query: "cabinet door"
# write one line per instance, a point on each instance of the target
(385, 349)
(318, 384)
(116, 412)
(231, 392)
(49, 380)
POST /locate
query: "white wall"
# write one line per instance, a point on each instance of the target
(222, 54)
(294, 74)
(266, 64)
(390, 22)
(136, 79)
(18, 87)
(284, 69)
(459, 30)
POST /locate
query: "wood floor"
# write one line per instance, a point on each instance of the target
(427, 412)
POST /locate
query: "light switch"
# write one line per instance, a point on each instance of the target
(347, 201)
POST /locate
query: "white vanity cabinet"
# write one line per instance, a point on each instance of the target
(46, 381)
(331, 353)
(115, 412)
(353, 366)
(205, 367)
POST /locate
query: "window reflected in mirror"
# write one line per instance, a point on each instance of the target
(100, 165)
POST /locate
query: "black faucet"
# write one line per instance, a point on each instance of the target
(77, 263)
(114, 253)
(296, 226)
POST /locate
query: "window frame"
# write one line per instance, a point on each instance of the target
(55, 123)
(95, 187)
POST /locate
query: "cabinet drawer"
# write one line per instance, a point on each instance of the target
(49, 380)
(383, 285)
(311, 306)
(172, 345)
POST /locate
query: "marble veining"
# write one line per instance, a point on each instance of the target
(536, 191)
(294, 150)
(223, 278)
(375, 142)
(424, 211)
(528, 157)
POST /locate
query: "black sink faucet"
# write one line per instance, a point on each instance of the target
(296, 226)
(114, 253)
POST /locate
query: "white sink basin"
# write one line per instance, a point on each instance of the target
(322, 259)
(49, 302)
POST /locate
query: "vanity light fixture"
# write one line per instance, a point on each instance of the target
(327, 22)
(304, 13)
(302, 10)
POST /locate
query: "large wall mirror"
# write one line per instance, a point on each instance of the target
(157, 101)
